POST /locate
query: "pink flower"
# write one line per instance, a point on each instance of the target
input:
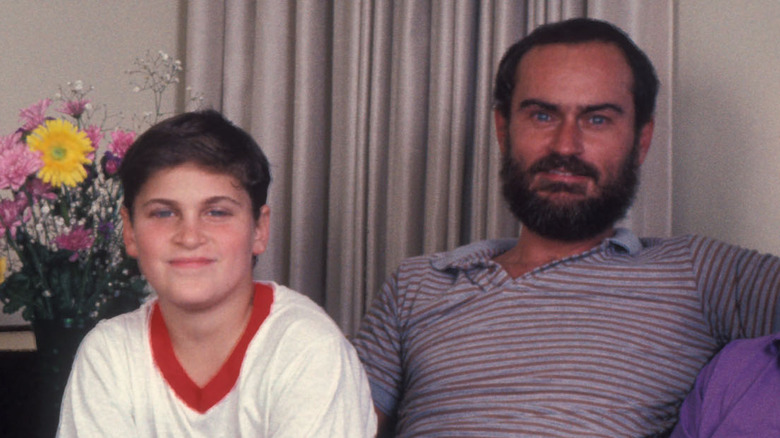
(17, 162)
(120, 142)
(94, 134)
(77, 240)
(11, 214)
(34, 115)
(40, 190)
(74, 108)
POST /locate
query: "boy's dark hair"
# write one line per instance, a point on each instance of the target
(204, 138)
(580, 30)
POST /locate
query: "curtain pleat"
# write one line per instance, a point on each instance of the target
(376, 116)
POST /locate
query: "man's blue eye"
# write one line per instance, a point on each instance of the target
(542, 117)
(598, 120)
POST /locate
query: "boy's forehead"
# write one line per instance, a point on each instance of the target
(190, 177)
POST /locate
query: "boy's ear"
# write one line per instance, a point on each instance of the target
(127, 233)
(262, 230)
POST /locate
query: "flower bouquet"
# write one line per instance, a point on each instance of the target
(62, 262)
(61, 257)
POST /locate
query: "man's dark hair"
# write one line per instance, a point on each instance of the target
(574, 31)
(204, 138)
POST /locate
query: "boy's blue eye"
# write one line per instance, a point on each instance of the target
(218, 213)
(160, 214)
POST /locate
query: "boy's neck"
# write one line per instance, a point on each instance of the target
(203, 340)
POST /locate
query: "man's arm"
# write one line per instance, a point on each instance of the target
(385, 428)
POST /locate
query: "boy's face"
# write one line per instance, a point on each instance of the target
(194, 235)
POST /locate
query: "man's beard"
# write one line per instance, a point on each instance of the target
(574, 220)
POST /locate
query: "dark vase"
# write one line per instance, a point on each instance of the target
(56, 345)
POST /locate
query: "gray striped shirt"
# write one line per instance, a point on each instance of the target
(605, 343)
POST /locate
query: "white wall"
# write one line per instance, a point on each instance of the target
(726, 121)
(46, 43)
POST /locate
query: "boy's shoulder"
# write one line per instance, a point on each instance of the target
(125, 324)
(295, 314)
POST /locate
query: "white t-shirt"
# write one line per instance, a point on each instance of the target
(299, 377)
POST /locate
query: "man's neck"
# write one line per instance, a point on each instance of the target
(533, 251)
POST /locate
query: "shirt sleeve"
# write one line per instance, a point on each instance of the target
(378, 343)
(692, 410)
(740, 290)
(96, 400)
(323, 392)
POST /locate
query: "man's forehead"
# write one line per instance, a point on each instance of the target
(590, 70)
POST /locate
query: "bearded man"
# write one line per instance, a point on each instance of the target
(576, 328)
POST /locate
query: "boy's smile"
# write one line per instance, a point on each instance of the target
(194, 235)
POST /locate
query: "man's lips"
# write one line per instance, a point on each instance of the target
(563, 176)
(190, 262)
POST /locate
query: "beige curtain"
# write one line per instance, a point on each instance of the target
(376, 117)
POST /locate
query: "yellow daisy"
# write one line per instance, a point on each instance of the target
(65, 150)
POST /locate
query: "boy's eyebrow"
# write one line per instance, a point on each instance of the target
(217, 199)
(587, 109)
(209, 201)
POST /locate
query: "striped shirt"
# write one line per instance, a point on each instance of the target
(604, 343)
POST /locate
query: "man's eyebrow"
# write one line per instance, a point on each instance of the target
(604, 106)
(539, 103)
(587, 109)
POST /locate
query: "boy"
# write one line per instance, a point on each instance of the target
(215, 353)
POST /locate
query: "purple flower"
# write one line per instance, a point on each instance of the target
(111, 163)
(106, 229)
(74, 108)
(17, 162)
(78, 239)
(120, 142)
(34, 115)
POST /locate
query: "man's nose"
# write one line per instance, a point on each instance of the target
(568, 139)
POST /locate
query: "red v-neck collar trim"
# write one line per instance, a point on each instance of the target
(197, 398)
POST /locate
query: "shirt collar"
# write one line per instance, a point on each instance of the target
(480, 254)
(625, 240)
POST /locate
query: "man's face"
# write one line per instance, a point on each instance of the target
(571, 153)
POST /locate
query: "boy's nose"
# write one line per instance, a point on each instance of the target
(189, 233)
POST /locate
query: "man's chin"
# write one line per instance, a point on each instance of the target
(562, 198)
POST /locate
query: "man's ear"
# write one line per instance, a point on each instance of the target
(262, 231)
(645, 138)
(502, 124)
(128, 235)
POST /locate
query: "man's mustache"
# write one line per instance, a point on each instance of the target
(565, 163)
